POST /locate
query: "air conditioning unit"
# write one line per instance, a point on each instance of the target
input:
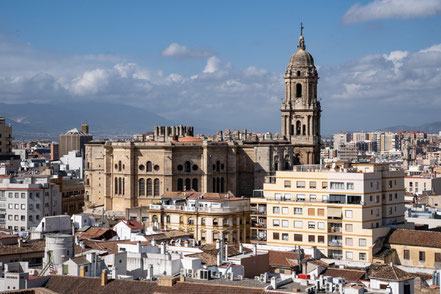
(189, 273)
(240, 277)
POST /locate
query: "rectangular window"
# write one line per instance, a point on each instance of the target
(362, 256)
(287, 184)
(285, 237)
(278, 196)
(23, 207)
(311, 238)
(298, 210)
(16, 206)
(300, 184)
(10, 195)
(437, 257)
(349, 255)
(321, 239)
(337, 185)
(312, 185)
(377, 198)
(30, 218)
(10, 206)
(311, 225)
(300, 197)
(287, 196)
(298, 224)
(298, 237)
(362, 242)
(23, 195)
(321, 225)
(276, 236)
(276, 209)
(350, 186)
(312, 197)
(422, 256)
(284, 223)
(276, 222)
(311, 211)
(321, 212)
(348, 213)
(23, 218)
(406, 254)
(285, 210)
(16, 217)
(349, 241)
(16, 195)
(348, 227)
(324, 185)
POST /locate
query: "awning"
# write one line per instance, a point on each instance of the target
(334, 212)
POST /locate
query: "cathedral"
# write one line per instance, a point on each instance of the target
(133, 173)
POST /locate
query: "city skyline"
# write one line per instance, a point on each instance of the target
(222, 67)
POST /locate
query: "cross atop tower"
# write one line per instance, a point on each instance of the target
(301, 28)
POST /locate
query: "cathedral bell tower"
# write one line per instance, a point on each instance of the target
(300, 108)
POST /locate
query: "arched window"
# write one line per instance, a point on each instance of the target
(203, 221)
(149, 166)
(154, 219)
(187, 167)
(190, 221)
(214, 184)
(222, 186)
(119, 186)
(298, 127)
(116, 185)
(298, 73)
(119, 165)
(124, 186)
(156, 187)
(181, 220)
(215, 222)
(187, 184)
(149, 187)
(287, 162)
(180, 185)
(167, 219)
(217, 185)
(276, 162)
(217, 165)
(141, 187)
(225, 222)
(299, 90)
(194, 184)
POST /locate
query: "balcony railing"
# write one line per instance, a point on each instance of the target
(198, 209)
(335, 243)
(257, 211)
(258, 225)
(258, 238)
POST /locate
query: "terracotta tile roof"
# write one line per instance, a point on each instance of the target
(80, 260)
(209, 254)
(387, 272)
(133, 224)
(191, 194)
(28, 247)
(416, 238)
(318, 262)
(7, 236)
(284, 258)
(86, 285)
(97, 233)
(350, 275)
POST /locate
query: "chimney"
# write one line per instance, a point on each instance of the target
(226, 251)
(217, 244)
(255, 249)
(104, 279)
(153, 242)
(240, 248)
(150, 272)
(274, 283)
(139, 246)
(218, 259)
(163, 247)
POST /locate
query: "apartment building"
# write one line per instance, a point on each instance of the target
(27, 200)
(5, 138)
(341, 209)
(425, 183)
(209, 216)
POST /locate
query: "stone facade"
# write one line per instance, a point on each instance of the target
(132, 173)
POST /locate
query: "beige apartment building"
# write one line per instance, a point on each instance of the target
(423, 184)
(209, 216)
(341, 209)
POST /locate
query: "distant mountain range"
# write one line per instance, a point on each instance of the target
(38, 121)
(434, 127)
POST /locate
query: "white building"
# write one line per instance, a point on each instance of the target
(128, 229)
(73, 164)
(51, 225)
(28, 200)
(80, 220)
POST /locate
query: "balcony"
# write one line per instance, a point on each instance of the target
(258, 211)
(258, 238)
(258, 225)
(335, 228)
(197, 209)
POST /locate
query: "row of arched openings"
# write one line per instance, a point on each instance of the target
(188, 184)
(148, 187)
(120, 186)
(218, 185)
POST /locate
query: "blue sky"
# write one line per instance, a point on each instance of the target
(201, 61)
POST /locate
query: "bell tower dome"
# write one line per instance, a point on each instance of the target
(300, 107)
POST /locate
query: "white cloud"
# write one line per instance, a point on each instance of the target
(385, 9)
(182, 51)
(212, 65)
